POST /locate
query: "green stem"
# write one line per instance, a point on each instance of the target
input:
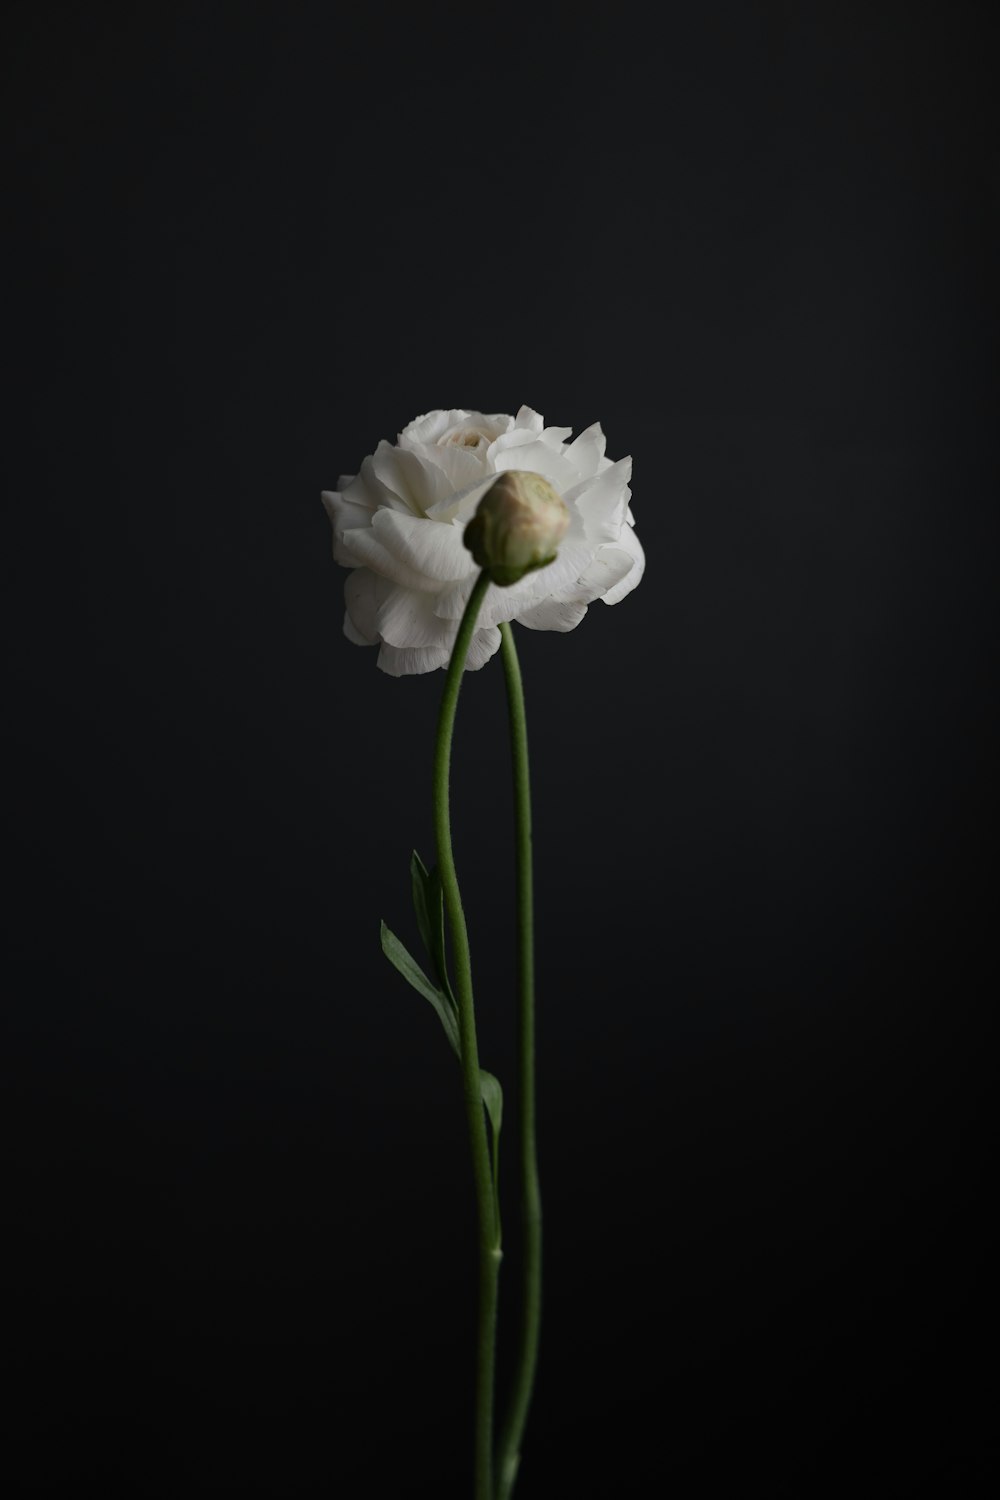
(489, 1234)
(531, 1201)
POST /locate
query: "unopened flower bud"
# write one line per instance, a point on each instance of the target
(517, 527)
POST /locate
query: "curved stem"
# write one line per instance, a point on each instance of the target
(531, 1202)
(489, 1235)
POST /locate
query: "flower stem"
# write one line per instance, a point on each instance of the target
(531, 1202)
(489, 1229)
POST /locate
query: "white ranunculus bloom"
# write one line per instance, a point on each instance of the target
(398, 525)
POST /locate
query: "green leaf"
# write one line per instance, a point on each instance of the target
(414, 975)
(492, 1094)
(438, 951)
(420, 879)
(428, 904)
(492, 1098)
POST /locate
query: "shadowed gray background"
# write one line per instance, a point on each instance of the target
(250, 241)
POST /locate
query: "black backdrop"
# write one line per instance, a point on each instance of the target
(754, 242)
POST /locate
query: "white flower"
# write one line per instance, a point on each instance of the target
(399, 524)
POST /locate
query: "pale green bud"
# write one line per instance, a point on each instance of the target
(517, 527)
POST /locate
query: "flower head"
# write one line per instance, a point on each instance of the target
(518, 526)
(400, 523)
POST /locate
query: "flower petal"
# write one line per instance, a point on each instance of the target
(628, 542)
(538, 458)
(363, 549)
(406, 660)
(507, 603)
(429, 427)
(484, 644)
(530, 419)
(343, 513)
(461, 466)
(417, 483)
(406, 618)
(553, 614)
(603, 501)
(432, 548)
(353, 505)
(611, 566)
(586, 451)
(450, 603)
(462, 505)
(518, 437)
(573, 557)
(362, 605)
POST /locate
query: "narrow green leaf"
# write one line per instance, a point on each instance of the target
(492, 1098)
(492, 1094)
(428, 904)
(419, 880)
(437, 949)
(414, 975)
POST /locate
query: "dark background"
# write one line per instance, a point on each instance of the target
(758, 243)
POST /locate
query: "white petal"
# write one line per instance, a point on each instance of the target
(428, 428)
(460, 466)
(363, 549)
(629, 542)
(342, 513)
(450, 602)
(603, 501)
(352, 506)
(573, 557)
(476, 422)
(431, 548)
(417, 483)
(406, 618)
(610, 567)
(406, 660)
(553, 614)
(518, 437)
(586, 451)
(337, 507)
(530, 419)
(355, 636)
(538, 458)
(484, 644)
(373, 487)
(556, 437)
(366, 489)
(360, 598)
(462, 505)
(507, 603)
